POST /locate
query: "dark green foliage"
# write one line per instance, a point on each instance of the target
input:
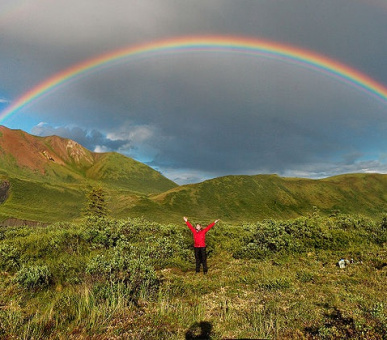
(9, 257)
(68, 268)
(310, 233)
(102, 232)
(34, 277)
(131, 274)
(162, 244)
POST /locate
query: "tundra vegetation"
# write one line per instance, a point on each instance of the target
(134, 279)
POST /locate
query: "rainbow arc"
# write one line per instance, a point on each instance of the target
(242, 45)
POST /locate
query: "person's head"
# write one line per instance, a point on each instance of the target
(198, 227)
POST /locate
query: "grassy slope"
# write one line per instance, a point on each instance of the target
(59, 194)
(39, 201)
(122, 172)
(232, 198)
(269, 196)
(50, 201)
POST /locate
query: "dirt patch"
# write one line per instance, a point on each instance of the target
(4, 189)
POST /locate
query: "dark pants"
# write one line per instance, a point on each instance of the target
(201, 258)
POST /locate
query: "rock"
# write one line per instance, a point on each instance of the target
(343, 263)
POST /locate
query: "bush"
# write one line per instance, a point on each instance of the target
(164, 250)
(311, 233)
(34, 277)
(101, 232)
(9, 258)
(251, 251)
(123, 268)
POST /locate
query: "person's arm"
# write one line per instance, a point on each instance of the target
(189, 225)
(211, 225)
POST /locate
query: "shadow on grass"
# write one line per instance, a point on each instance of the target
(199, 330)
(336, 325)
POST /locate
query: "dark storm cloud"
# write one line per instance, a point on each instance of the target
(201, 115)
(93, 140)
(60, 33)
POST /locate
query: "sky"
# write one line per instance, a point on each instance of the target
(196, 114)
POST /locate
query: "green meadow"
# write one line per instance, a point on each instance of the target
(110, 278)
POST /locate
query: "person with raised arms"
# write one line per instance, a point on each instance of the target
(199, 236)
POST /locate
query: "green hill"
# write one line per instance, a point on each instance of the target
(49, 177)
(244, 198)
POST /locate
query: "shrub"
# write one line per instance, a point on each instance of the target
(102, 232)
(310, 233)
(9, 257)
(66, 303)
(251, 251)
(163, 250)
(34, 277)
(117, 268)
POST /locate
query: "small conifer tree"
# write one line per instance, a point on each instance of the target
(96, 203)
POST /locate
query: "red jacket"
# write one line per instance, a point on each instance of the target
(199, 236)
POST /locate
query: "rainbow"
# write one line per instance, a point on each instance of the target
(227, 44)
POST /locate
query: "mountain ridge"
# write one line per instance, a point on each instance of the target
(49, 176)
(246, 198)
(45, 158)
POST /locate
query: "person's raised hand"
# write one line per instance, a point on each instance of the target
(216, 221)
(185, 219)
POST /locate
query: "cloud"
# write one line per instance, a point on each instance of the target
(138, 142)
(101, 149)
(200, 115)
(323, 170)
(185, 176)
(93, 140)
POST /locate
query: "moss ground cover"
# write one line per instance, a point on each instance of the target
(134, 279)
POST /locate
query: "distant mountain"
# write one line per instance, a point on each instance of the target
(46, 173)
(46, 178)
